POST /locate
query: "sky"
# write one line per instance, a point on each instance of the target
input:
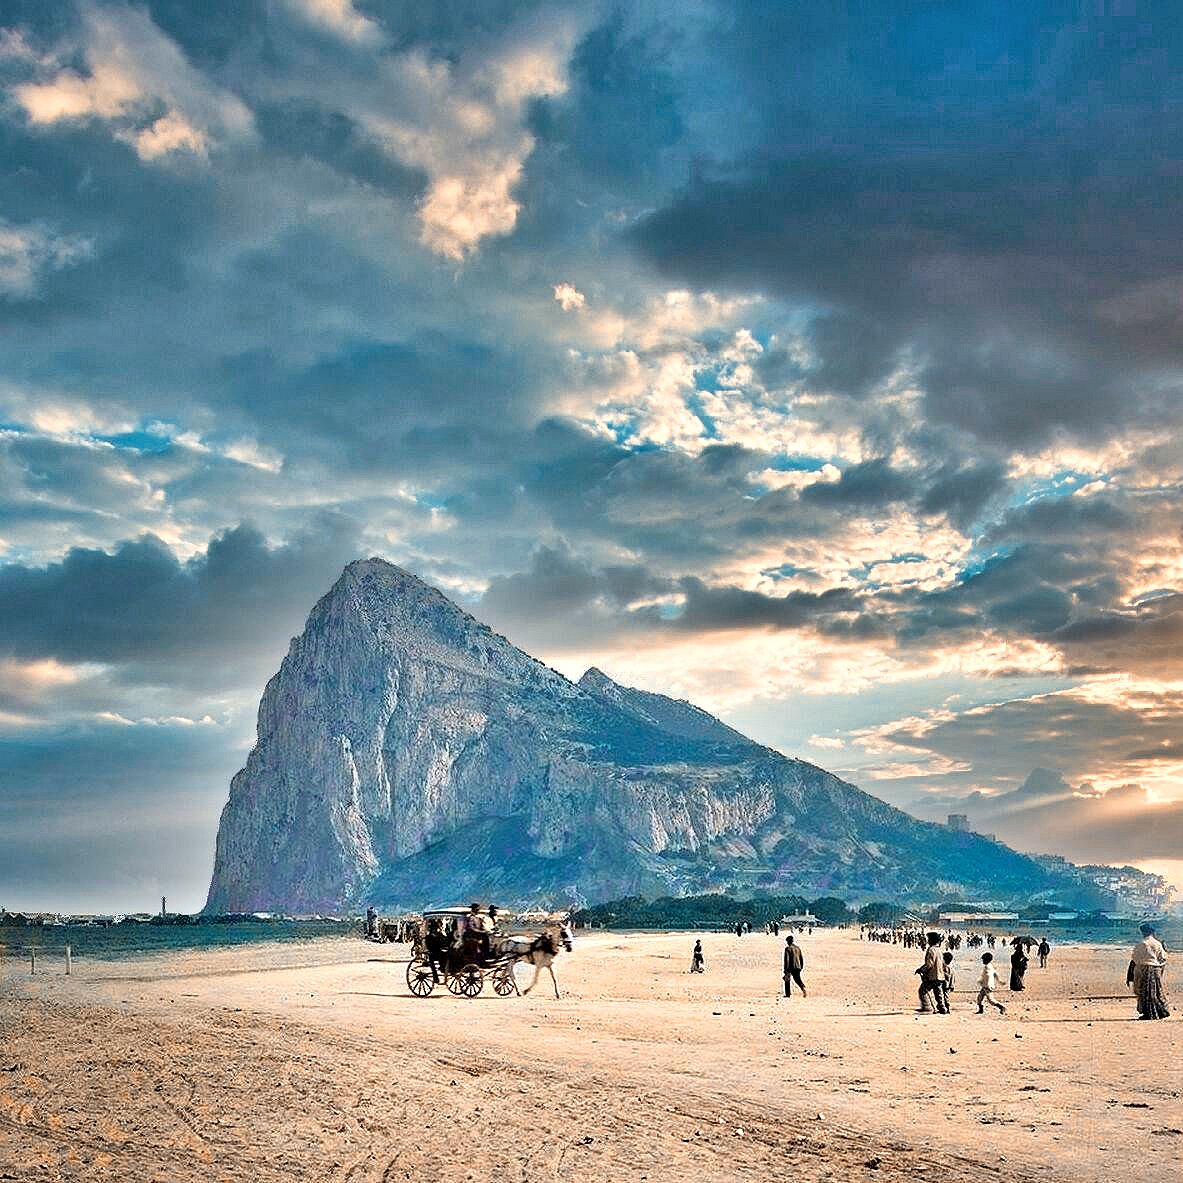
(820, 364)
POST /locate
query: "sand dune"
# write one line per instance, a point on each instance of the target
(263, 1063)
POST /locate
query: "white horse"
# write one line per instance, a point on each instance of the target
(540, 952)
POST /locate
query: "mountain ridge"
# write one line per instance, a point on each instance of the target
(406, 752)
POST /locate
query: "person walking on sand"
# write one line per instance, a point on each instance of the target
(932, 978)
(1145, 975)
(697, 964)
(924, 1005)
(1018, 966)
(987, 984)
(794, 964)
(1044, 950)
(947, 959)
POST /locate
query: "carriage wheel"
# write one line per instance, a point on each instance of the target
(420, 978)
(503, 982)
(470, 981)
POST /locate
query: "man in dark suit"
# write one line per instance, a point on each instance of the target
(794, 964)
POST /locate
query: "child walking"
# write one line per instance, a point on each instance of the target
(987, 984)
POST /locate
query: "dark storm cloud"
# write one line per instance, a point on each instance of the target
(1077, 521)
(623, 109)
(871, 483)
(557, 582)
(199, 623)
(710, 608)
(679, 509)
(1165, 751)
(1051, 569)
(1147, 638)
(963, 491)
(955, 187)
(563, 601)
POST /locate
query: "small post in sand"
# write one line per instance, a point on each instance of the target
(67, 961)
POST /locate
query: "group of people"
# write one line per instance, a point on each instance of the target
(473, 933)
(937, 973)
(917, 938)
(937, 976)
(771, 928)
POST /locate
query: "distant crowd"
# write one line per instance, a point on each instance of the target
(917, 938)
(773, 927)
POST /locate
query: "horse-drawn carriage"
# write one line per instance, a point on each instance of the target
(461, 947)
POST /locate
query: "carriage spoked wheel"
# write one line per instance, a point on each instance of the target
(469, 981)
(420, 978)
(503, 982)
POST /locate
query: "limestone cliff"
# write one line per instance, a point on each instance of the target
(407, 753)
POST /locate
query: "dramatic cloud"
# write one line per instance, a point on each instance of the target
(140, 85)
(341, 19)
(1106, 802)
(1003, 271)
(142, 610)
(820, 365)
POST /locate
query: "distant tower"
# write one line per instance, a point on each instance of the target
(958, 821)
(163, 906)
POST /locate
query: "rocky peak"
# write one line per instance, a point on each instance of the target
(387, 607)
(594, 679)
(674, 716)
(407, 751)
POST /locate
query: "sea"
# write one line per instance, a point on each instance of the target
(1169, 931)
(121, 941)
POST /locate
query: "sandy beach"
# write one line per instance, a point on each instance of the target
(314, 1062)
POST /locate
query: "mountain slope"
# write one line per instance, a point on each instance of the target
(406, 753)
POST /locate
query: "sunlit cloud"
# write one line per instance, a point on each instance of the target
(134, 69)
(339, 18)
(570, 299)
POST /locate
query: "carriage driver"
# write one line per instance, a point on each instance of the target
(480, 926)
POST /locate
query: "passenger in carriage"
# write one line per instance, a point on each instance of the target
(437, 942)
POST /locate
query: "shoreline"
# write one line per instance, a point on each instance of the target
(18, 940)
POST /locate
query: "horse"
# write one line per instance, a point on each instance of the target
(540, 952)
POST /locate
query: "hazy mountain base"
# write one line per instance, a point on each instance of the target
(492, 859)
(408, 754)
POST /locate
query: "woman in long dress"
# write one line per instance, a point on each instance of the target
(1018, 966)
(1145, 975)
